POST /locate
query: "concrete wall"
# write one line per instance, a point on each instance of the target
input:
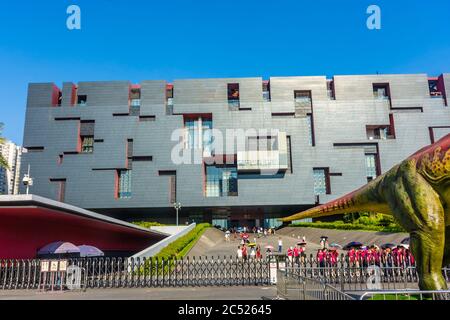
(342, 120)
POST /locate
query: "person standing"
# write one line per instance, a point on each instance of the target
(239, 253)
(280, 245)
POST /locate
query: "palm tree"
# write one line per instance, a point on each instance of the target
(3, 162)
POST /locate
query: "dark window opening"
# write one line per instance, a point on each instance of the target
(169, 98)
(129, 153)
(379, 132)
(233, 96)
(330, 90)
(147, 118)
(381, 91)
(266, 91)
(60, 158)
(82, 100)
(289, 154)
(59, 98)
(433, 85)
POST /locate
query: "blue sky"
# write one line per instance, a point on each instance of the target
(149, 39)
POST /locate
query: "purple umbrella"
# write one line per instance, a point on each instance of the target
(90, 251)
(58, 247)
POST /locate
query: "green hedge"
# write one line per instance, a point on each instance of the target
(177, 249)
(147, 224)
(180, 247)
(340, 225)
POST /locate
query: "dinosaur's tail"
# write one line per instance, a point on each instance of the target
(365, 199)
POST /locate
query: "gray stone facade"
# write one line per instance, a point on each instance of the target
(341, 119)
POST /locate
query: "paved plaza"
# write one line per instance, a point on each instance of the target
(185, 293)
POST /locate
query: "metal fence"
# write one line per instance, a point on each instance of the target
(292, 286)
(123, 272)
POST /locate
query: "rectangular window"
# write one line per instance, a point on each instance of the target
(289, 154)
(433, 85)
(381, 91)
(266, 91)
(261, 143)
(221, 181)
(303, 99)
(198, 134)
(371, 167)
(330, 90)
(309, 123)
(123, 184)
(135, 101)
(87, 144)
(321, 181)
(81, 99)
(169, 99)
(379, 132)
(233, 96)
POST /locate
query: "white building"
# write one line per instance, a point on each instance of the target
(10, 177)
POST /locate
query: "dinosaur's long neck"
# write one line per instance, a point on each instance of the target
(366, 199)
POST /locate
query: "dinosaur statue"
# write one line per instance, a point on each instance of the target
(416, 193)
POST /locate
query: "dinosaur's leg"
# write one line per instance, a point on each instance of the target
(447, 247)
(418, 208)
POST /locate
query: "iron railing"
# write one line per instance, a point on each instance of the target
(146, 272)
(292, 286)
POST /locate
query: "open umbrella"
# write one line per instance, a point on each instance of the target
(388, 245)
(302, 243)
(252, 244)
(335, 246)
(353, 244)
(269, 247)
(58, 247)
(90, 251)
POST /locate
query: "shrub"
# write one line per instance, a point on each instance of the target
(340, 225)
(147, 224)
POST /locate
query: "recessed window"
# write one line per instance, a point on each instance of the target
(433, 85)
(381, 91)
(321, 181)
(266, 91)
(330, 90)
(381, 132)
(198, 133)
(61, 189)
(221, 181)
(309, 124)
(169, 99)
(289, 154)
(123, 184)
(135, 101)
(87, 144)
(82, 100)
(371, 167)
(303, 98)
(233, 96)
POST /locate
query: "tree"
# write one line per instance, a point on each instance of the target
(3, 162)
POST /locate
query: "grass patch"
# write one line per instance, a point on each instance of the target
(341, 225)
(398, 297)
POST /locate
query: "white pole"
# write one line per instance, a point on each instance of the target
(28, 185)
